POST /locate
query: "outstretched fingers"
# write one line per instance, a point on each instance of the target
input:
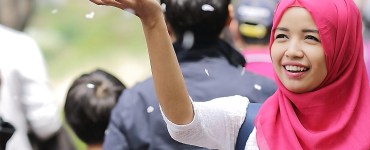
(110, 3)
(97, 2)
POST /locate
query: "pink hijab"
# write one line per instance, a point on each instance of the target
(336, 115)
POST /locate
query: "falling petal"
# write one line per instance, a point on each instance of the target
(163, 7)
(188, 40)
(54, 11)
(207, 7)
(90, 85)
(150, 109)
(257, 87)
(205, 70)
(90, 15)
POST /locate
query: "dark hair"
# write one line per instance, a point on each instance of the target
(204, 18)
(89, 102)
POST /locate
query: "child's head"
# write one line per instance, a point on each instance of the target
(312, 43)
(89, 102)
(204, 18)
(255, 20)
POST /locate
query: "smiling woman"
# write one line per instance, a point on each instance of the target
(297, 53)
(319, 49)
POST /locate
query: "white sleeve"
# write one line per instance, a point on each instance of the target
(41, 109)
(215, 125)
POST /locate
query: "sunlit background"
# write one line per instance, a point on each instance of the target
(78, 36)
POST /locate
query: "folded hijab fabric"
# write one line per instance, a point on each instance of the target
(336, 114)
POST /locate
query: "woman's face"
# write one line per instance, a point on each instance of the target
(297, 53)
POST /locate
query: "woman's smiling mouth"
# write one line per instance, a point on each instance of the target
(294, 71)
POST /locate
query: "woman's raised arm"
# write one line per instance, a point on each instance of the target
(168, 80)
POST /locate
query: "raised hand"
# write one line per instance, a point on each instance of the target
(146, 10)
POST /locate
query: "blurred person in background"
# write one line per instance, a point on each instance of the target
(88, 106)
(211, 67)
(27, 101)
(6, 129)
(251, 28)
(364, 6)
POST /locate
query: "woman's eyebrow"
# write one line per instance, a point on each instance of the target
(303, 30)
(282, 29)
(310, 31)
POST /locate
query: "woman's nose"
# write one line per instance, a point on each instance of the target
(294, 50)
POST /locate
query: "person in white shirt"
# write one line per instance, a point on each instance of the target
(26, 100)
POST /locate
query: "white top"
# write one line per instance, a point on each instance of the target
(26, 99)
(215, 125)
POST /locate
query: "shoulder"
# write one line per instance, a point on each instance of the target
(256, 78)
(259, 87)
(144, 88)
(14, 36)
(17, 42)
(135, 105)
(141, 94)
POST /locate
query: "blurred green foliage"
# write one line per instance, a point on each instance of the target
(71, 42)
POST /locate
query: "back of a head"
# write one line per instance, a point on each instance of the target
(204, 18)
(89, 102)
(255, 20)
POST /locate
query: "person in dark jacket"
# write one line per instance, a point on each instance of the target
(211, 68)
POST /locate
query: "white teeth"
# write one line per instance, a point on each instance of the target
(295, 68)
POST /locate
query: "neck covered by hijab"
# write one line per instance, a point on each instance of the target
(336, 114)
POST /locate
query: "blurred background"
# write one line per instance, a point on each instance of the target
(78, 36)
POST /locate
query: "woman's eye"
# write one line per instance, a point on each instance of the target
(310, 37)
(279, 36)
